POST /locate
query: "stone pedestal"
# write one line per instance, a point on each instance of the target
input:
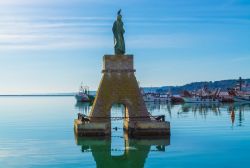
(119, 85)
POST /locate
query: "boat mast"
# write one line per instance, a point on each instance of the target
(240, 82)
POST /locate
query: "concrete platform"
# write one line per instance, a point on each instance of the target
(133, 129)
(148, 128)
(83, 129)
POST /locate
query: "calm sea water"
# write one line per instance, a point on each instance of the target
(38, 132)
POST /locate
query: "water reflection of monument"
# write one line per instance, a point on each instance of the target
(135, 152)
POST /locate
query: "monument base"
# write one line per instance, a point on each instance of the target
(91, 129)
(134, 129)
(119, 86)
(147, 128)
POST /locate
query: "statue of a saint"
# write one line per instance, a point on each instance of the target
(118, 32)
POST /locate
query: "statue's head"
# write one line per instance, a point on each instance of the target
(119, 16)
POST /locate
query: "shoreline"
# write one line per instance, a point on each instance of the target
(36, 95)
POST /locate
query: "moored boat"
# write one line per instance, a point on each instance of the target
(83, 95)
(202, 96)
(177, 99)
(241, 92)
(199, 99)
(156, 97)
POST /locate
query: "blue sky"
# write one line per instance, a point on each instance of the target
(51, 46)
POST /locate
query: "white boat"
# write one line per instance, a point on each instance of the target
(83, 95)
(156, 97)
(200, 100)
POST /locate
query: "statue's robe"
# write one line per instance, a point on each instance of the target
(118, 32)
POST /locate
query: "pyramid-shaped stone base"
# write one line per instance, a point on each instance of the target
(119, 85)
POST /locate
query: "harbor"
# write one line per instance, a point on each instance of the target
(197, 130)
(124, 84)
(240, 92)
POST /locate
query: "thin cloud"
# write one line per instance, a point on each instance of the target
(50, 2)
(161, 41)
(241, 59)
(28, 42)
(42, 33)
(88, 32)
(33, 42)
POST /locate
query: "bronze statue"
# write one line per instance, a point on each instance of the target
(118, 32)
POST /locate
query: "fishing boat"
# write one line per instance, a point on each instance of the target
(225, 97)
(83, 95)
(241, 92)
(199, 99)
(177, 99)
(202, 96)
